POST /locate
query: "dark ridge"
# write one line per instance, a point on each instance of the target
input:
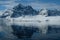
(21, 10)
(53, 12)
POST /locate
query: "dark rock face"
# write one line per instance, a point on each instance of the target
(21, 10)
(4, 15)
(53, 12)
(18, 11)
(23, 32)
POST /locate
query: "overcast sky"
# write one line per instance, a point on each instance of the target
(36, 4)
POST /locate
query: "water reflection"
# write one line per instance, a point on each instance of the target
(17, 32)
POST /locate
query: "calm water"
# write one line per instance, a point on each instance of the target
(15, 32)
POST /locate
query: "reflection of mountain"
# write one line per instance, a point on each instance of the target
(23, 32)
(54, 29)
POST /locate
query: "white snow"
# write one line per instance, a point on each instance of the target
(38, 21)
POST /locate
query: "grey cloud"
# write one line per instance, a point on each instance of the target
(44, 5)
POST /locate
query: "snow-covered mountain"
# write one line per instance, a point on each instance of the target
(6, 13)
(30, 17)
(50, 12)
(21, 10)
(54, 12)
(43, 12)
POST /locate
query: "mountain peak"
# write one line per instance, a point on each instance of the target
(21, 10)
(43, 12)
